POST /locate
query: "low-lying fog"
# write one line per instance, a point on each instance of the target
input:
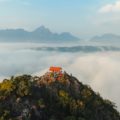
(99, 67)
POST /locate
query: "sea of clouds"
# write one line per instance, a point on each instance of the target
(100, 70)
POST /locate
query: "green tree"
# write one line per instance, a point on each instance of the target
(23, 85)
(5, 116)
(64, 97)
(70, 118)
(6, 87)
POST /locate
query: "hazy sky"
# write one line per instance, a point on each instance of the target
(83, 18)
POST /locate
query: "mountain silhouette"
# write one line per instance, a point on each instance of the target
(41, 34)
(106, 38)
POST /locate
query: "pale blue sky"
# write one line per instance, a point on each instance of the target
(84, 18)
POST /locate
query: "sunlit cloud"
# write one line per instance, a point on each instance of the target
(110, 8)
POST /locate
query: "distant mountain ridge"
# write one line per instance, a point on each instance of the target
(41, 34)
(106, 38)
(73, 49)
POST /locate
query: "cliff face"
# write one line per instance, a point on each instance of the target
(49, 98)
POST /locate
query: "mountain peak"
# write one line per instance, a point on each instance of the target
(40, 34)
(42, 29)
(54, 96)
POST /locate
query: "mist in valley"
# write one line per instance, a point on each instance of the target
(99, 69)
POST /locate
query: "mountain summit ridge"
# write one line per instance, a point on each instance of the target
(40, 34)
(106, 38)
(50, 97)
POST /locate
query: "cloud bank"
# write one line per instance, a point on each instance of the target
(110, 8)
(100, 70)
